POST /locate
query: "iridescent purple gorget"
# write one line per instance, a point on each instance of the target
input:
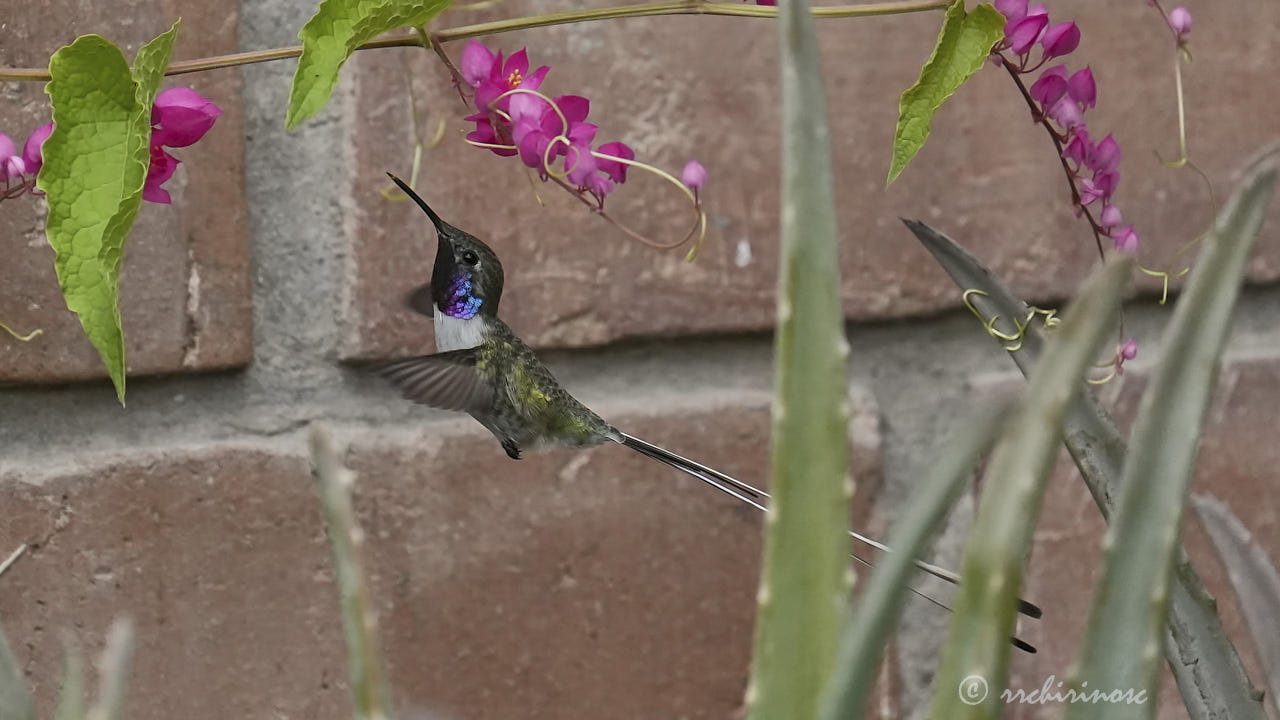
(462, 304)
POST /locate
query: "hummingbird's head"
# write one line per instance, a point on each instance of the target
(467, 277)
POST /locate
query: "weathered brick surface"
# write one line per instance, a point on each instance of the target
(677, 87)
(1237, 464)
(185, 291)
(566, 585)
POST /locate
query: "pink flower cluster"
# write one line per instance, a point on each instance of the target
(179, 117)
(1063, 98)
(513, 119)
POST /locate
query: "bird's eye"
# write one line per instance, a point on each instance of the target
(469, 258)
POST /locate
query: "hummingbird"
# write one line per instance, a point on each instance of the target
(481, 367)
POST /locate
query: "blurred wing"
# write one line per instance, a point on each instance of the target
(448, 381)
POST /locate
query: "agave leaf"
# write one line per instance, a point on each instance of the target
(803, 587)
(1205, 665)
(877, 612)
(975, 660)
(1130, 604)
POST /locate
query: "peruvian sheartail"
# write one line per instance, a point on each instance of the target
(483, 369)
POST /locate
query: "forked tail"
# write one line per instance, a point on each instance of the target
(757, 498)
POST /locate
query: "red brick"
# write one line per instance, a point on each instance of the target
(677, 87)
(1236, 464)
(548, 588)
(185, 293)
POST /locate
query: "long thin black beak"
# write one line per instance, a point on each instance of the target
(435, 219)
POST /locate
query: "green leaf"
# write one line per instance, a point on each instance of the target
(1131, 601)
(333, 33)
(975, 661)
(963, 45)
(803, 588)
(95, 164)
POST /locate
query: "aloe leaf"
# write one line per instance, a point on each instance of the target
(113, 672)
(976, 657)
(333, 33)
(359, 618)
(1254, 579)
(1210, 676)
(15, 698)
(877, 612)
(71, 697)
(803, 587)
(963, 44)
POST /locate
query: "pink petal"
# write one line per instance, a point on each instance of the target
(181, 116)
(476, 64)
(12, 167)
(694, 175)
(1126, 239)
(1106, 182)
(1061, 39)
(574, 107)
(161, 169)
(1037, 9)
(617, 171)
(1022, 34)
(33, 149)
(600, 185)
(1082, 87)
(1012, 9)
(7, 147)
(534, 80)
(580, 164)
(1129, 350)
(1066, 113)
(1106, 156)
(1110, 217)
(518, 62)
(487, 95)
(1049, 88)
(1078, 147)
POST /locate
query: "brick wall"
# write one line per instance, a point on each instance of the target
(567, 585)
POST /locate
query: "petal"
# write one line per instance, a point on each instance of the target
(12, 167)
(1061, 39)
(1110, 216)
(1066, 113)
(574, 107)
(183, 119)
(487, 95)
(600, 185)
(580, 164)
(1022, 34)
(617, 171)
(476, 63)
(1180, 21)
(1079, 147)
(518, 62)
(582, 133)
(1106, 156)
(33, 149)
(1048, 89)
(1082, 87)
(161, 169)
(534, 81)
(1012, 9)
(7, 147)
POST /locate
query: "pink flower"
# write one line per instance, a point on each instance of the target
(503, 78)
(1024, 33)
(1180, 21)
(1126, 239)
(1079, 147)
(694, 175)
(11, 165)
(1061, 39)
(33, 149)
(1105, 157)
(1129, 350)
(616, 171)
(1110, 217)
(1066, 112)
(159, 171)
(181, 116)
(1051, 86)
(1082, 88)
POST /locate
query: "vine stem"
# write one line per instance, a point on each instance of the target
(680, 7)
(1057, 143)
